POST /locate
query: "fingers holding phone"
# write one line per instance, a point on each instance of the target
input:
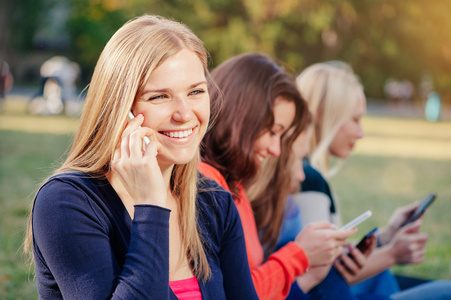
(403, 216)
(409, 246)
(354, 258)
(322, 242)
(350, 263)
(138, 170)
(418, 212)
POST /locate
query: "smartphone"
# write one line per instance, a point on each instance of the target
(146, 139)
(421, 208)
(358, 220)
(366, 241)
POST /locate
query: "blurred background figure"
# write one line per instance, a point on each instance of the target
(58, 88)
(397, 92)
(433, 107)
(6, 81)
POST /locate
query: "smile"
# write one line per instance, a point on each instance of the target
(260, 158)
(178, 134)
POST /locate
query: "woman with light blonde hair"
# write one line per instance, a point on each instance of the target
(336, 99)
(324, 86)
(102, 225)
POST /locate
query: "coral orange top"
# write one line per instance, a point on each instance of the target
(273, 278)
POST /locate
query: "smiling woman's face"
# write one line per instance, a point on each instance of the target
(176, 105)
(345, 139)
(269, 142)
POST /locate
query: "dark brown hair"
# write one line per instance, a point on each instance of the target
(250, 84)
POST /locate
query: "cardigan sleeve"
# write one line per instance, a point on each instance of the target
(74, 252)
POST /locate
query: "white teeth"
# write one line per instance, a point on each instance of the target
(178, 134)
(260, 158)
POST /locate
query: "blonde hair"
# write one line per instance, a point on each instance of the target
(124, 67)
(331, 92)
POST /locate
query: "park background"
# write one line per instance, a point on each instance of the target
(401, 159)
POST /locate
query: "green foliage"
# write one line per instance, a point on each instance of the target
(380, 39)
(90, 26)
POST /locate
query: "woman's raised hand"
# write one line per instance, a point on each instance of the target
(322, 242)
(408, 246)
(139, 170)
(398, 218)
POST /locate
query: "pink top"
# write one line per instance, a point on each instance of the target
(186, 289)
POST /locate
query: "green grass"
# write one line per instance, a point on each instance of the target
(384, 183)
(376, 178)
(25, 160)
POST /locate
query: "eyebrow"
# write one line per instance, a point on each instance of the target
(169, 90)
(280, 125)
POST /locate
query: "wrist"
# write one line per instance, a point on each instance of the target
(389, 254)
(384, 236)
(306, 282)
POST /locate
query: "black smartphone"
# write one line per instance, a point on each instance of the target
(421, 208)
(365, 242)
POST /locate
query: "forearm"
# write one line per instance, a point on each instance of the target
(309, 280)
(273, 279)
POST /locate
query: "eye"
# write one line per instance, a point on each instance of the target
(157, 97)
(197, 92)
(272, 133)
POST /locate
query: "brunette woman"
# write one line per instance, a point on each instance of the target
(262, 107)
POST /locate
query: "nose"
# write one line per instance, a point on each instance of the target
(182, 110)
(299, 173)
(274, 148)
(360, 133)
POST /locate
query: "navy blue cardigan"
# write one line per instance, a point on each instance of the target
(87, 247)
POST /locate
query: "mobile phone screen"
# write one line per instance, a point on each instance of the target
(421, 208)
(365, 242)
(358, 220)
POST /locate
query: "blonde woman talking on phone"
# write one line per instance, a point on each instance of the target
(101, 227)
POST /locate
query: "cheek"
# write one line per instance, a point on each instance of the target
(261, 143)
(338, 145)
(203, 111)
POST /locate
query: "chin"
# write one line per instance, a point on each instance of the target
(345, 155)
(181, 159)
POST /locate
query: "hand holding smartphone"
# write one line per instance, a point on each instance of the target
(367, 240)
(146, 140)
(420, 209)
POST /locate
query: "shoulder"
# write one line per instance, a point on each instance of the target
(214, 202)
(63, 184)
(211, 194)
(70, 185)
(212, 173)
(314, 181)
(68, 195)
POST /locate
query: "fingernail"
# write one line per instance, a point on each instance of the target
(350, 248)
(140, 115)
